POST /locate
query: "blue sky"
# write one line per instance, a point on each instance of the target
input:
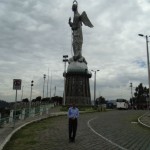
(34, 35)
(141, 63)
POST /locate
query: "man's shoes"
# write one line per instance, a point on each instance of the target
(71, 140)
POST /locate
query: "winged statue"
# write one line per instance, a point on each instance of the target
(77, 35)
(85, 20)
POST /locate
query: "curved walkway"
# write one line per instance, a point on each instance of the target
(145, 119)
(56, 136)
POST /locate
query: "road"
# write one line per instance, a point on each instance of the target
(112, 130)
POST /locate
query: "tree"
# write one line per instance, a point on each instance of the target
(26, 100)
(57, 100)
(100, 100)
(46, 100)
(38, 99)
(140, 95)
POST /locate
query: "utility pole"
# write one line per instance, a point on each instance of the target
(131, 90)
(65, 59)
(95, 85)
(44, 76)
(47, 82)
(148, 67)
(131, 94)
(51, 86)
(55, 91)
(22, 93)
(30, 97)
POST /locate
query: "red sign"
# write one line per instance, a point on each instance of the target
(17, 84)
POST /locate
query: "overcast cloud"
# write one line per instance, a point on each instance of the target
(34, 35)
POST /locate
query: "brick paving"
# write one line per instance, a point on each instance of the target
(114, 130)
(145, 119)
(122, 128)
(116, 126)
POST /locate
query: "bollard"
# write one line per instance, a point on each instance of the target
(44, 109)
(23, 114)
(20, 116)
(32, 112)
(47, 110)
(41, 110)
(11, 116)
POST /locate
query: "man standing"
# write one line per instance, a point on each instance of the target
(73, 114)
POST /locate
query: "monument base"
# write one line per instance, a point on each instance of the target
(77, 84)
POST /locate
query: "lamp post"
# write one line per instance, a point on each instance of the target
(131, 94)
(131, 90)
(146, 37)
(47, 82)
(44, 76)
(95, 84)
(50, 85)
(65, 59)
(30, 96)
(22, 93)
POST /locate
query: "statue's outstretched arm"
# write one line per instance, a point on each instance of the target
(70, 23)
(84, 18)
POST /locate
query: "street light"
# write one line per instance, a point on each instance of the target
(22, 93)
(131, 90)
(131, 94)
(44, 76)
(95, 84)
(146, 36)
(65, 59)
(30, 95)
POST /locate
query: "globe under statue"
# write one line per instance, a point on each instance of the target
(77, 87)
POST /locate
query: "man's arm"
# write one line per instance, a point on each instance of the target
(77, 112)
(69, 113)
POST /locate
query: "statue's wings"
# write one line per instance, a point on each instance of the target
(85, 20)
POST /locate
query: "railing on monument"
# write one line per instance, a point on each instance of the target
(25, 113)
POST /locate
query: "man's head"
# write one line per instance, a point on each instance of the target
(73, 105)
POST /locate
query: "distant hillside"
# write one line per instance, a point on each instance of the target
(4, 104)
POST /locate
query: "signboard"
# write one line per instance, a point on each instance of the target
(16, 84)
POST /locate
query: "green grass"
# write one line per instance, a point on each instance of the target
(27, 137)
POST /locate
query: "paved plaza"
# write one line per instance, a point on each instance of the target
(112, 130)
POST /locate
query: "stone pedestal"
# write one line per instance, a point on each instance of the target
(77, 84)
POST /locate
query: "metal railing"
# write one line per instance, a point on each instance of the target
(24, 113)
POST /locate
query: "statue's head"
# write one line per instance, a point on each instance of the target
(74, 5)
